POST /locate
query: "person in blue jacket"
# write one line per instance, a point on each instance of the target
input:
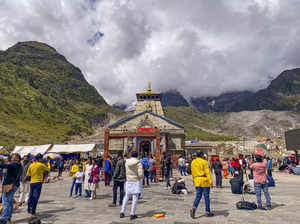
(146, 165)
(107, 171)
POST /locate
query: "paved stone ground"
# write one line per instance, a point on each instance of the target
(56, 207)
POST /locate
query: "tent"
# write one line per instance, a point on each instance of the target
(83, 148)
(33, 149)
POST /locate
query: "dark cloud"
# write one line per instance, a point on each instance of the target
(201, 48)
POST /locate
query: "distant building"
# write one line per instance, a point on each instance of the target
(147, 131)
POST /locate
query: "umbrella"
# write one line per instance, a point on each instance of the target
(52, 156)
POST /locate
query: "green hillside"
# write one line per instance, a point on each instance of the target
(44, 98)
(196, 123)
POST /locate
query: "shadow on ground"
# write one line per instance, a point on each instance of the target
(45, 215)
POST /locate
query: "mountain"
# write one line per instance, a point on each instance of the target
(223, 103)
(283, 93)
(44, 98)
(217, 126)
(173, 98)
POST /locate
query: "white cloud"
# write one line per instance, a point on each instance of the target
(200, 48)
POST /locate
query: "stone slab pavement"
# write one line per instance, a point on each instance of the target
(56, 207)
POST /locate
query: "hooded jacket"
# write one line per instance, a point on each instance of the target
(201, 173)
(134, 169)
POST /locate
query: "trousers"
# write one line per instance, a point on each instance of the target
(8, 203)
(134, 203)
(262, 186)
(118, 184)
(200, 191)
(34, 195)
(24, 192)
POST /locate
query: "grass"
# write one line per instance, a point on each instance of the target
(44, 98)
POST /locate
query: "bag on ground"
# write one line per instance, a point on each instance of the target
(246, 205)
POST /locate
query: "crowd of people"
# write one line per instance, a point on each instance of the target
(129, 174)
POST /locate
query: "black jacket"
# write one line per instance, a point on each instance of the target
(13, 173)
(217, 166)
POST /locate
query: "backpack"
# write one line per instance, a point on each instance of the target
(145, 163)
(271, 182)
(246, 205)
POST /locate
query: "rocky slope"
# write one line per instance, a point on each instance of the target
(282, 94)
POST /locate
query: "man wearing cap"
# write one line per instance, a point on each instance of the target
(36, 173)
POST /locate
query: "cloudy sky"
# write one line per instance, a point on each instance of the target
(199, 47)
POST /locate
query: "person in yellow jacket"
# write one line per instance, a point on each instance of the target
(36, 173)
(73, 172)
(202, 182)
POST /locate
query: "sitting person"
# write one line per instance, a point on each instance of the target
(249, 187)
(179, 187)
(236, 183)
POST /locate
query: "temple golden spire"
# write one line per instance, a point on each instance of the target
(149, 87)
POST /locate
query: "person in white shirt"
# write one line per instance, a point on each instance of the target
(78, 183)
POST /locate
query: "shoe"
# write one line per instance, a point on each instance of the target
(133, 217)
(122, 215)
(91, 198)
(112, 205)
(209, 214)
(261, 208)
(269, 207)
(3, 221)
(192, 213)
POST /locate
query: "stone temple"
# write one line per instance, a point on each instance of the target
(147, 130)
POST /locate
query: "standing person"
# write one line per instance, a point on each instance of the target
(134, 175)
(269, 166)
(119, 180)
(25, 184)
(217, 166)
(225, 168)
(61, 165)
(95, 179)
(181, 164)
(78, 183)
(152, 169)
(260, 181)
(146, 166)
(168, 164)
(202, 182)
(10, 185)
(73, 172)
(36, 173)
(107, 171)
(87, 178)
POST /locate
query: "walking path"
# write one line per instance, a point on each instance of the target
(56, 207)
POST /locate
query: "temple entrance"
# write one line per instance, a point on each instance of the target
(145, 147)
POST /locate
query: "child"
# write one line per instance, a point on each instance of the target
(78, 183)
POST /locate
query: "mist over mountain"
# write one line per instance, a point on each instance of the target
(199, 48)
